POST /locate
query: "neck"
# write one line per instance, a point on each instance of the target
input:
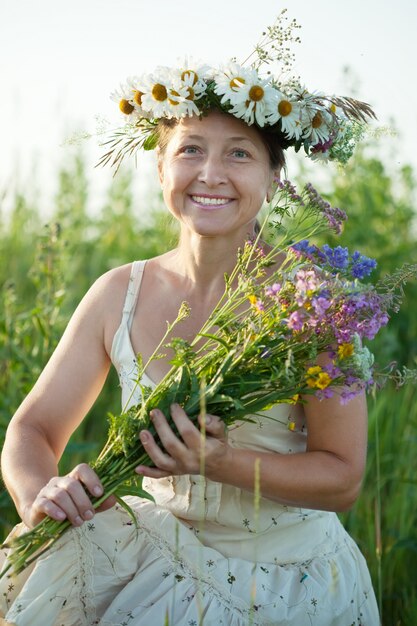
(205, 260)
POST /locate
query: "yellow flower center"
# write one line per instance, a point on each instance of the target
(126, 107)
(138, 98)
(256, 93)
(159, 92)
(189, 74)
(191, 94)
(333, 107)
(284, 108)
(317, 120)
(236, 83)
(170, 100)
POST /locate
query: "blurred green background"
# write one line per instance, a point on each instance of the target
(47, 267)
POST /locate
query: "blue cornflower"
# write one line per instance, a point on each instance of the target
(336, 257)
(304, 248)
(362, 265)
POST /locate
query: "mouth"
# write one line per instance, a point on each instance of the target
(211, 201)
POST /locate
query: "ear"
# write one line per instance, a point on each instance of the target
(275, 179)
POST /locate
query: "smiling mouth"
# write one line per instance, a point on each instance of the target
(211, 201)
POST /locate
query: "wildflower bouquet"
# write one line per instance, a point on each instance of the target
(283, 306)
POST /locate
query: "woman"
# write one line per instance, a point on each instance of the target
(250, 538)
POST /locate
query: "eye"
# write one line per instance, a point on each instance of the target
(240, 153)
(189, 150)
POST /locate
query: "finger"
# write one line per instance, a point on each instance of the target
(89, 478)
(60, 498)
(171, 443)
(151, 472)
(160, 459)
(108, 503)
(189, 433)
(213, 425)
(43, 507)
(78, 495)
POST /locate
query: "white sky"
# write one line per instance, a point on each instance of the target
(59, 61)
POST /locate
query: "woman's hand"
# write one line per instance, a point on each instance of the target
(195, 452)
(66, 497)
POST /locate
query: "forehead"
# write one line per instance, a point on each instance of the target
(217, 125)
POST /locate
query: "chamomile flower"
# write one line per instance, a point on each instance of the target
(124, 97)
(317, 124)
(158, 98)
(194, 75)
(287, 112)
(230, 79)
(134, 85)
(254, 100)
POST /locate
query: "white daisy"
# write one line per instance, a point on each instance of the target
(229, 79)
(194, 75)
(317, 124)
(124, 98)
(254, 100)
(135, 84)
(287, 111)
(156, 92)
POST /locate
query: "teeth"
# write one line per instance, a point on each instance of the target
(212, 201)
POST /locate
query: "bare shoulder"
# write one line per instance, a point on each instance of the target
(105, 300)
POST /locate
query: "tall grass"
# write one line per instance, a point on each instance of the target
(46, 269)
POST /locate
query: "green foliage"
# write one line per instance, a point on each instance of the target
(45, 271)
(382, 223)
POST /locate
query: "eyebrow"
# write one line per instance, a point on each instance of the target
(236, 138)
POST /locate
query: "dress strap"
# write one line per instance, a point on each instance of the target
(132, 293)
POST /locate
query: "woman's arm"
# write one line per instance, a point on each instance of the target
(327, 476)
(63, 394)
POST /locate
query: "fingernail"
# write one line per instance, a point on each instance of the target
(97, 490)
(88, 515)
(78, 521)
(207, 419)
(143, 437)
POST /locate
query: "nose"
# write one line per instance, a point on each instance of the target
(213, 171)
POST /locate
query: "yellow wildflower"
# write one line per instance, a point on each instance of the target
(323, 380)
(252, 299)
(315, 369)
(345, 350)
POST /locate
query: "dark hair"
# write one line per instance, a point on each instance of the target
(271, 140)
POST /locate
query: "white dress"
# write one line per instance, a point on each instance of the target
(203, 554)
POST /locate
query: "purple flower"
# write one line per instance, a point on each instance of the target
(296, 320)
(320, 305)
(324, 394)
(273, 290)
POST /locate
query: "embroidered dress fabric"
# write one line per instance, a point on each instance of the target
(204, 553)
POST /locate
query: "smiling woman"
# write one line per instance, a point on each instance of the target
(215, 174)
(243, 528)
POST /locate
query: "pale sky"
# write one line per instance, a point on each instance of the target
(59, 62)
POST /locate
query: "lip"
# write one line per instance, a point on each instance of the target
(227, 200)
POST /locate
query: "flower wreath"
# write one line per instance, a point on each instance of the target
(327, 127)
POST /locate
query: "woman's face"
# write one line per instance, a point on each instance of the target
(215, 174)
